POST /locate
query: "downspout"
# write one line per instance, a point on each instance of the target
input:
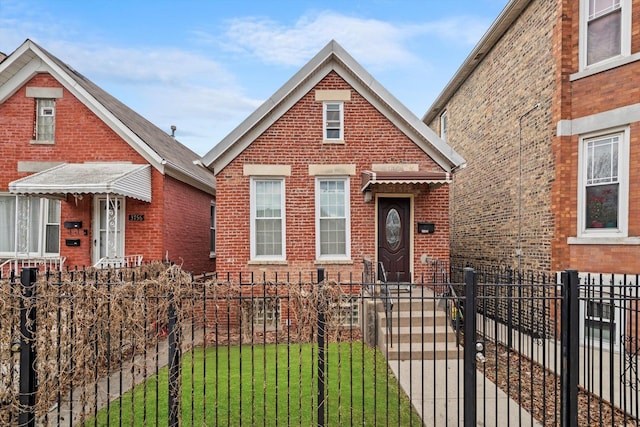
(519, 244)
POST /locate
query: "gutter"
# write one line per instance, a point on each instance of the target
(503, 22)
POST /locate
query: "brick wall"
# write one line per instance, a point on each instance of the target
(186, 227)
(81, 137)
(295, 139)
(502, 201)
(601, 92)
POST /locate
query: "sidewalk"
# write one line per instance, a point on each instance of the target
(436, 389)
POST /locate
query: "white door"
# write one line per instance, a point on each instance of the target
(108, 228)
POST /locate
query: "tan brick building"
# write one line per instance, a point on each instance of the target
(331, 170)
(84, 180)
(546, 110)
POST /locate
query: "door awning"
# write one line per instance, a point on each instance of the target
(122, 179)
(370, 178)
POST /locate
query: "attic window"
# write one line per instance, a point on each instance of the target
(45, 127)
(333, 118)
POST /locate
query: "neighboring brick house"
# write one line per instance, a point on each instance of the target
(329, 171)
(84, 180)
(546, 110)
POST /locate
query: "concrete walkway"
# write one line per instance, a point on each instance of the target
(436, 389)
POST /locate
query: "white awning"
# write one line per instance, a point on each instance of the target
(122, 179)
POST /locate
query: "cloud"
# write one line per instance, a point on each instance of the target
(375, 43)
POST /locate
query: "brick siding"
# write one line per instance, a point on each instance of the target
(81, 137)
(295, 139)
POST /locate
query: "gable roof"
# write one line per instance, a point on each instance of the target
(331, 58)
(503, 22)
(157, 147)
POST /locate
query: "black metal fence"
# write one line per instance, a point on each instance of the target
(158, 347)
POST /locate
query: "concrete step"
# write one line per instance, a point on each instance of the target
(411, 304)
(407, 334)
(419, 351)
(413, 318)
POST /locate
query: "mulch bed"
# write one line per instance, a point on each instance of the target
(538, 390)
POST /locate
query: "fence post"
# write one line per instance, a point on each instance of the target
(321, 352)
(469, 347)
(569, 336)
(26, 416)
(174, 364)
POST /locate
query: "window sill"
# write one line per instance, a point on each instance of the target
(603, 241)
(606, 66)
(333, 262)
(333, 141)
(268, 262)
(37, 142)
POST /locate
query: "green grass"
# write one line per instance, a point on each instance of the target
(270, 385)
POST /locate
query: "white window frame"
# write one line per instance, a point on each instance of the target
(623, 182)
(212, 229)
(593, 340)
(43, 222)
(325, 123)
(40, 115)
(444, 126)
(625, 33)
(347, 218)
(283, 218)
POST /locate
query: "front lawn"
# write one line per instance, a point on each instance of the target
(271, 385)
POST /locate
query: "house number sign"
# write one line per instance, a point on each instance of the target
(136, 217)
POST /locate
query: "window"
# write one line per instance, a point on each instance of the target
(347, 311)
(603, 204)
(606, 30)
(29, 226)
(333, 119)
(267, 219)
(266, 312)
(444, 126)
(332, 218)
(45, 120)
(599, 323)
(212, 229)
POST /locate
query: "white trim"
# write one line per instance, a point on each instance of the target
(41, 227)
(325, 123)
(252, 220)
(625, 34)
(347, 216)
(333, 95)
(623, 182)
(605, 66)
(444, 125)
(266, 170)
(599, 121)
(44, 92)
(332, 170)
(118, 228)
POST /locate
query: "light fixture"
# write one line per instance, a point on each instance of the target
(368, 195)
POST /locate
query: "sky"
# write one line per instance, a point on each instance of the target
(204, 66)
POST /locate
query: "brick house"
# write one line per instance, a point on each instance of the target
(546, 110)
(329, 171)
(84, 180)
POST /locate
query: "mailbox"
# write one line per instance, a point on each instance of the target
(426, 227)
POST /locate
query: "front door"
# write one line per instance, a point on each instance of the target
(394, 244)
(108, 230)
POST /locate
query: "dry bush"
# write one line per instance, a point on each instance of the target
(88, 323)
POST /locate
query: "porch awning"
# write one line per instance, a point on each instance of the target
(370, 178)
(122, 179)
